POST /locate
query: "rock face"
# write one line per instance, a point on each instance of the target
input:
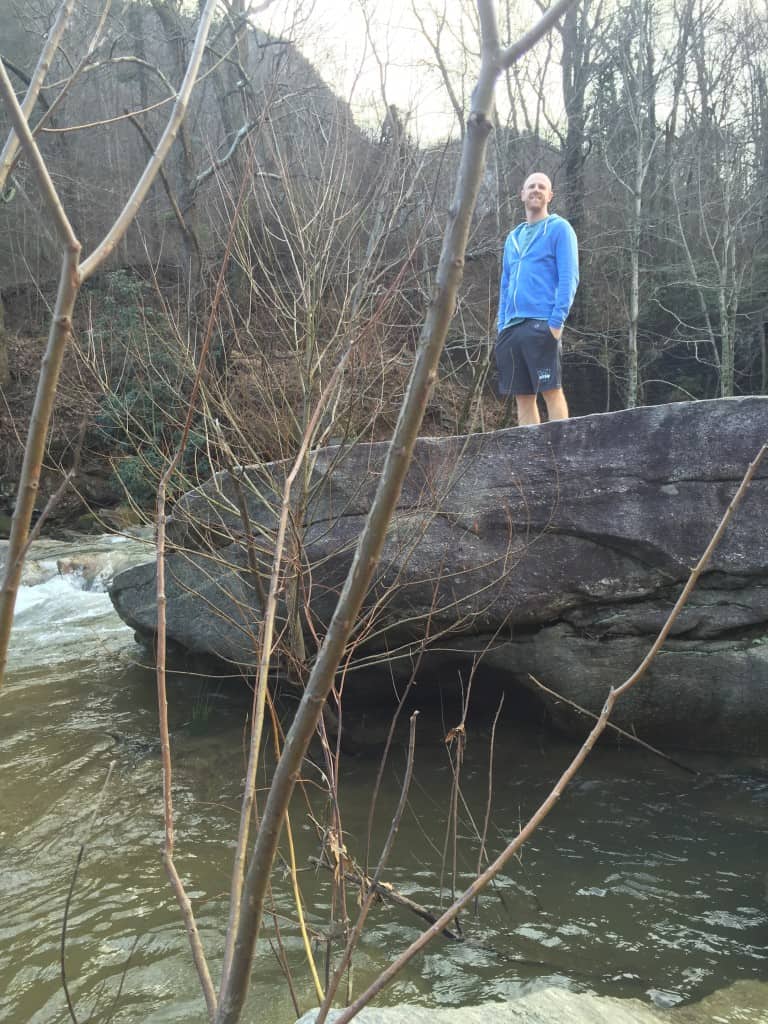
(744, 1002)
(556, 551)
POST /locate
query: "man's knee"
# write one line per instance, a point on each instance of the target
(527, 410)
(557, 406)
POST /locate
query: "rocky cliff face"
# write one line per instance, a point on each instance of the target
(554, 551)
(97, 167)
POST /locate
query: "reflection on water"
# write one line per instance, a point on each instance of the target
(645, 880)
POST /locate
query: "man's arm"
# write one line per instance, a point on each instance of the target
(567, 261)
(503, 289)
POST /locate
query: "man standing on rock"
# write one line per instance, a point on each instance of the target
(540, 273)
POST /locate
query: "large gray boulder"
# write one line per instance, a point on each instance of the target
(556, 551)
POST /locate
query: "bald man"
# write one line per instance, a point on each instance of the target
(540, 274)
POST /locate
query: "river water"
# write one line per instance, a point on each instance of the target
(646, 881)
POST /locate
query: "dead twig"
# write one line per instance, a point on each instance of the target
(354, 938)
(55, 498)
(614, 728)
(390, 736)
(567, 776)
(116, 1001)
(388, 892)
(70, 894)
(489, 801)
(185, 905)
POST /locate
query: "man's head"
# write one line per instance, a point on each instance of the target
(536, 195)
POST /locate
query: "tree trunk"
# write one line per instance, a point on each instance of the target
(5, 375)
(726, 346)
(575, 72)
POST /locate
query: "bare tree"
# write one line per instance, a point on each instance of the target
(294, 236)
(257, 873)
(717, 198)
(636, 60)
(74, 273)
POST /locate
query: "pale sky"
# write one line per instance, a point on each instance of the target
(396, 62)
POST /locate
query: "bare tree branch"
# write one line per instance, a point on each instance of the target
(357, 931)
(131, 208)
(541, 813)
(526, 42)
(73, 275)
(370, 544)
(11, 147)
(25, 139)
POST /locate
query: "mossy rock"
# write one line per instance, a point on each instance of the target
(121, 517)
(87, 523)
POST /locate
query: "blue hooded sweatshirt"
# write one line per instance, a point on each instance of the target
(540, 273)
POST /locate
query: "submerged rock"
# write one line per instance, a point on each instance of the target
(555, 551)
(90, 563)
(744, 1002)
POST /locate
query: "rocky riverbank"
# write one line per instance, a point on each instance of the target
(744, 1002)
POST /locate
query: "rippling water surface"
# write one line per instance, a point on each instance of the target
(645, 881)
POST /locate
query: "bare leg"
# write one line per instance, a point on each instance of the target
(557, 407)
(527, 410)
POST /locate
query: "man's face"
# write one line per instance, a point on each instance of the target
(536, 193)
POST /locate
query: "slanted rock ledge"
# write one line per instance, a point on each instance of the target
(557, 551)
(744, 1002)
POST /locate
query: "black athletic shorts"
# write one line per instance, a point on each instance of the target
(528, 358)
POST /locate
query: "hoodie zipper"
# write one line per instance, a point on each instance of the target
(522, 253)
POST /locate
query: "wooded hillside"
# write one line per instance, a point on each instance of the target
(651, 118)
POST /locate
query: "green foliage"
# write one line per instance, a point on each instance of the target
(139, 475)
(145, 378)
